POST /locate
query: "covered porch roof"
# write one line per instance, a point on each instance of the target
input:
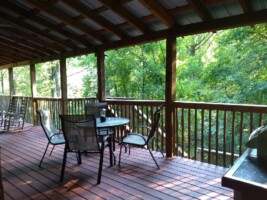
(33, 31)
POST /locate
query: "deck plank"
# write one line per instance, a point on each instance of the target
(137, 178)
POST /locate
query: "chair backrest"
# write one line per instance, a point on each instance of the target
(47, 123)
(80, 133)
(94, 108)
(13, 103)
(156, 118)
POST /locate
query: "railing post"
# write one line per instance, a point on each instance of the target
(11, 82)
(170, 94)
(34, 92)
(101, 75)
(64, 89)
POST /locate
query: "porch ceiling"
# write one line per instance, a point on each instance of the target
(41, 30)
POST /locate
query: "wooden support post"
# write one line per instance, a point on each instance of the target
(34, 93)
(170, 93)
(11, 82)
(101, 75)
(64, 89)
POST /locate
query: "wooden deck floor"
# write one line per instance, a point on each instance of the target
(137, 178)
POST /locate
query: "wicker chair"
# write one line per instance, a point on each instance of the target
(142, 140)
(81, 137)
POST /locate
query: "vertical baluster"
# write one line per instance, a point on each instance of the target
(189, 133)
(251, 122)
(182, 129)
(195, 133)
(202, 135)
(224, 138)
(176, 122)
(240, 133)
(209, 138)
(233, 138)
(260, 119)
(217, 136)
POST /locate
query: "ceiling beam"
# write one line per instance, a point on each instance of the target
(29, 28)
(120, 10)
(27, 43)
(21, 47)
(95, 17)
(49, 8)
(35, 39)
(200, 9)
(32, 15)
(245, 6)
(13, 51)
(12, 54)
(201, 27)
(159, 11)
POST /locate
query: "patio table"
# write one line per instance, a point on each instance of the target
(110, 123)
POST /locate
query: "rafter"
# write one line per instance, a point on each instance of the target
(13, 54)
(49, 8)
(29, 28)
(159, 11)
(21, 47)
(95, 17)
(13, 50)
(120, 10)
(35, 39)
(245, 6)
(32, 15)
(27, 43)
(200, 9)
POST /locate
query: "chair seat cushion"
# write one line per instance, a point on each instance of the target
(57, 139)
(135, 139)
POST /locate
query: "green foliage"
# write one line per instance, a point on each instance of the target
(22, 81)
(47, 80)
(137, 72)
(4, 82)
(82, 76)
(223, 66)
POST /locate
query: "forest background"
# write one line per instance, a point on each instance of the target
(226, 66)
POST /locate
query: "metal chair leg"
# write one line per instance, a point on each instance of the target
(100, 164)
(52, 150)
(44, 155)
(153, 158)
(63, 166)
(120, 156)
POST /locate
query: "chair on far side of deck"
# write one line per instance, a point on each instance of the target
(143, 140)
(54, 136)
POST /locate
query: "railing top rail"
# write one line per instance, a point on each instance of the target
(136, 102)
(222, 106)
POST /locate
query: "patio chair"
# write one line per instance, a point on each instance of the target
(81, 138)
(11, 113)
(54, 136)
(143, 140)
(95, 109)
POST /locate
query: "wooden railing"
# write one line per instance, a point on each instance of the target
(215, 133)
(140, 113)
(75, 106)
(212, 133)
